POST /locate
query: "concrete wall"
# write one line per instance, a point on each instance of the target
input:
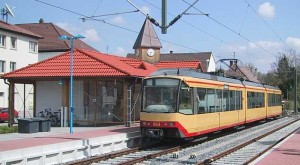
(60, 153)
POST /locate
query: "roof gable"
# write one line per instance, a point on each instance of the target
(147, 37)
(199, 56)
(180, 64)
(51, 41)
(86, 64)
(240, 72)
(16, 29)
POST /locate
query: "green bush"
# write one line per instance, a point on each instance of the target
(6, 129)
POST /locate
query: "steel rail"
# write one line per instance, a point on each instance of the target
(110, 155)
(225, 153)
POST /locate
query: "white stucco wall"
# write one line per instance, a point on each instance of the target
(48, 95)
(23, 58)
(212, 64)
(46, 55)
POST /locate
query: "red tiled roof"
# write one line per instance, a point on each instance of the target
(13, 28)
(199, 56)
(179, 64)
(51, 41)
(86, 64)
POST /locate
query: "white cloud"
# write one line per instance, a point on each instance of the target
(293, 43)
(145, 10)
(261, 53)
(118, 20)
(121, 51)
(238, 49)
(266, 10)
(91, 35)
(68, 27)
(272, 47)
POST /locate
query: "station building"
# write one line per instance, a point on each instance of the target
(107, 88)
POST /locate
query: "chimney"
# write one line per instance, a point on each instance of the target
(171, 52)
(41, 20)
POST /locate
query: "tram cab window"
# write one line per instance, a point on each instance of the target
(185, 100)
(159, 95)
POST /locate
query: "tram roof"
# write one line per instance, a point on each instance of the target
(195, 74)
(271, 87)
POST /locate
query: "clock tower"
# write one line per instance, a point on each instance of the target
(147, 45)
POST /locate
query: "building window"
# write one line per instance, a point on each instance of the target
(32, 47)
(13, 43)
(2, 66)
(1, 94)
(13, 66)
(2, 40)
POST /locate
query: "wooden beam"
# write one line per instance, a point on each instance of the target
(34, 99)
(11, 100)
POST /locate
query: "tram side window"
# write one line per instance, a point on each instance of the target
(202, 100)
(232, 97)
(185, 100)
(255, 100)
(271, 100)
(238, 100)
(261, 99)
(274, 100)
(211, 100)
(226, 100)
(218, 101)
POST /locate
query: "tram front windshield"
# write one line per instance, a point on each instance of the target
(160, 95)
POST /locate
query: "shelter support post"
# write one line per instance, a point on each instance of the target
(11, 100)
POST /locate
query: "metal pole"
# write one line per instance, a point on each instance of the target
(164, 17)
(24, 100)
(296, 98)
(71, 85)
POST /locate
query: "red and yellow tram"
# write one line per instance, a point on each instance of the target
(185, 104)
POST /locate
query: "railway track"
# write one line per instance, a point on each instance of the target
(247, 152)
(215, 150)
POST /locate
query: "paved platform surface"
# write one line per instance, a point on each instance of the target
(15, 141)
(285, 153)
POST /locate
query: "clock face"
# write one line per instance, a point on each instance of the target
(150, 52)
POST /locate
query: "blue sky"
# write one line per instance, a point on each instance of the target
(254, 30)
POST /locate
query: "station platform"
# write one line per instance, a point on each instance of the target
(59, 146)
(286, 152)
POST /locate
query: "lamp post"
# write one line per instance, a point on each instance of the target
(71, 39)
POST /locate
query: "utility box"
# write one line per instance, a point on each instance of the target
(28, 125)
(44, 124)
